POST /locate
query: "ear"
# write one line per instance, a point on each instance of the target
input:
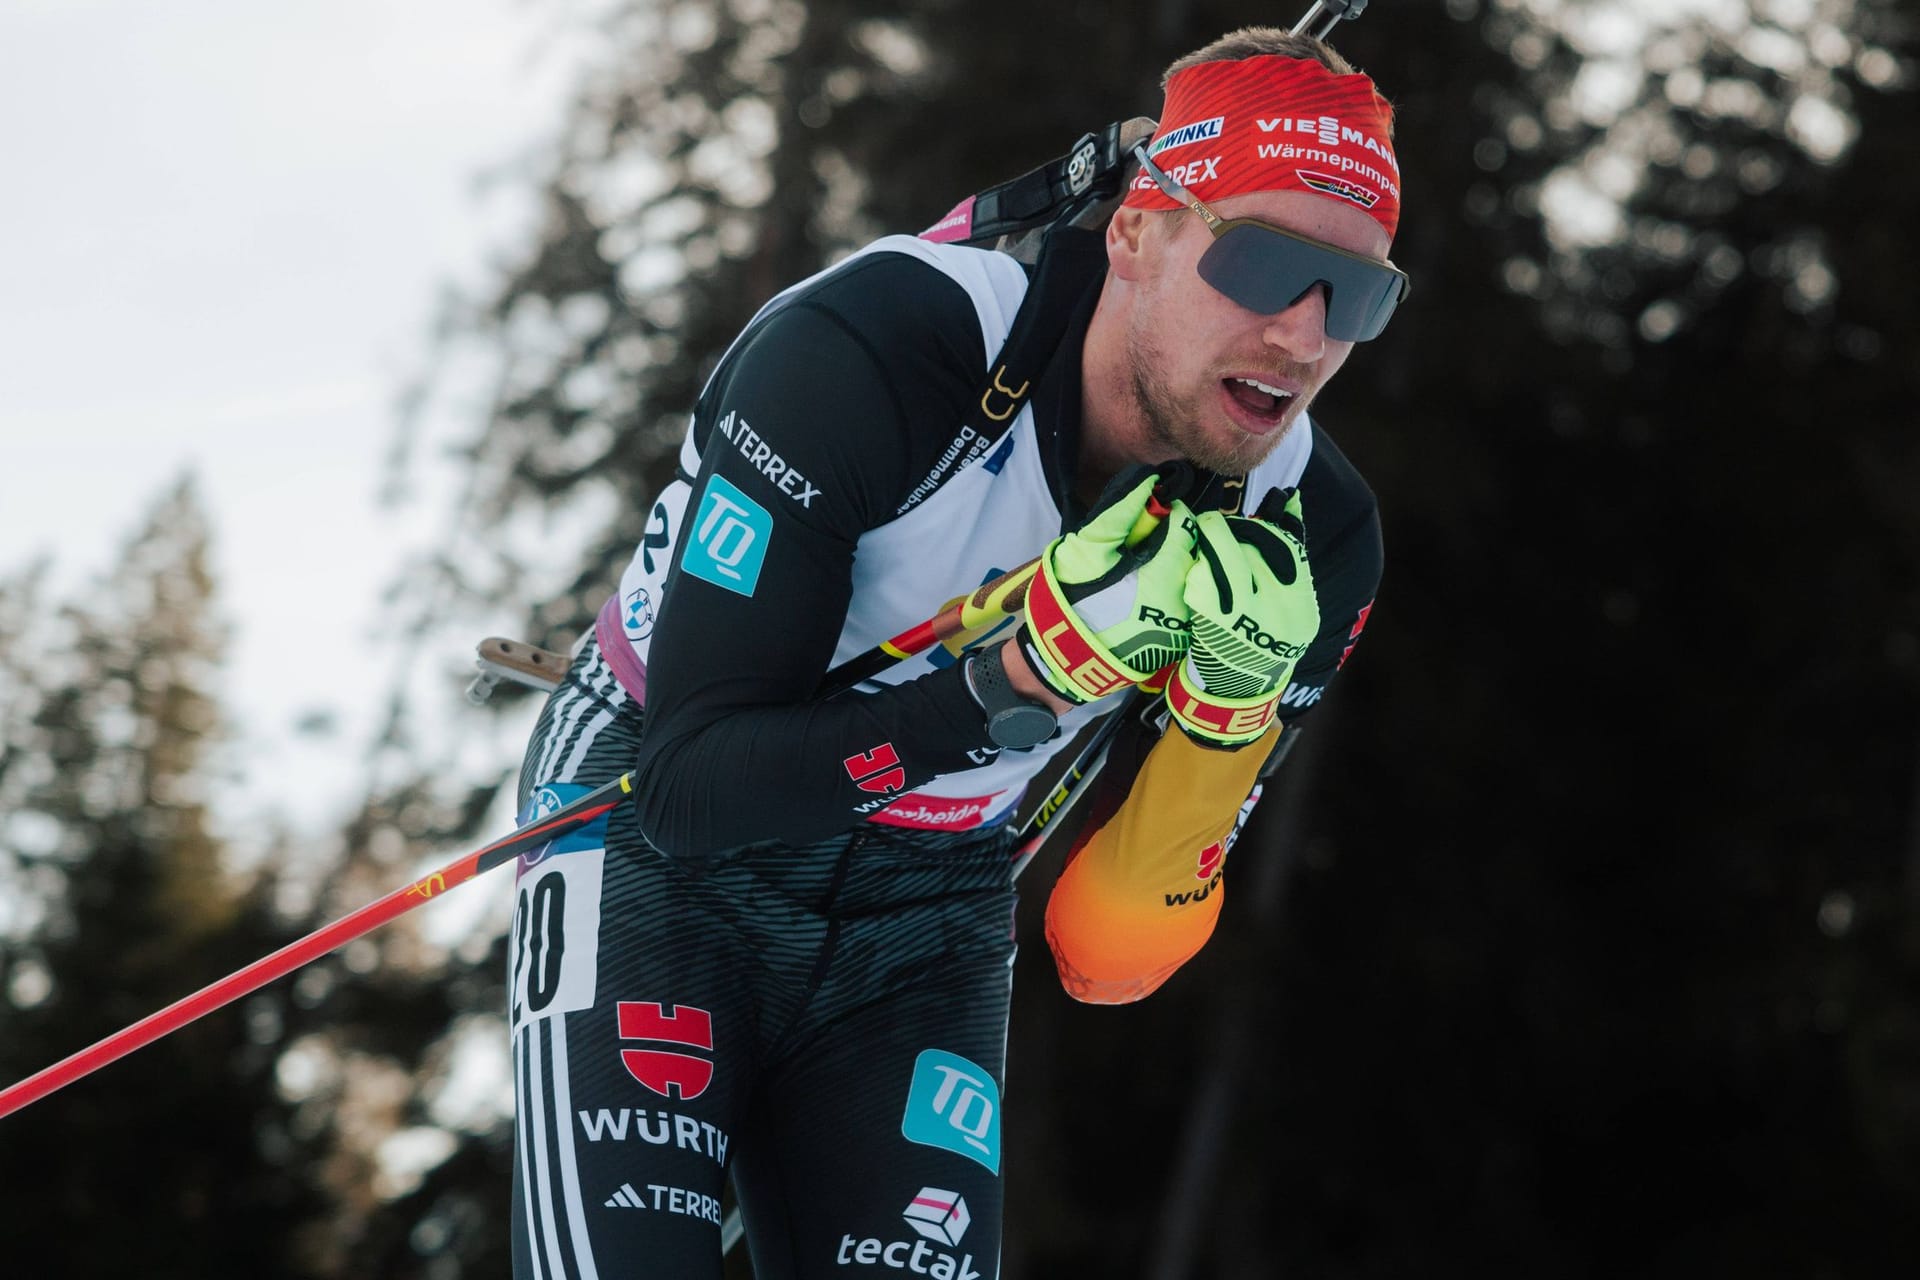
(1129, 243)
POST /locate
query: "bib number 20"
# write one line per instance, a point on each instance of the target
(553, 964)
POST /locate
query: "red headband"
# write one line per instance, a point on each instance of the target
(1274, 123)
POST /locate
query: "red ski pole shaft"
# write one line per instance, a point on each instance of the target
(295, 954)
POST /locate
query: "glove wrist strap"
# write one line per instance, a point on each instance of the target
(1074, 663)
(1216, 719)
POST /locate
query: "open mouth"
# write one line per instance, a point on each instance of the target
(1263, 402)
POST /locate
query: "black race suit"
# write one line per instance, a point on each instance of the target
(790, 956)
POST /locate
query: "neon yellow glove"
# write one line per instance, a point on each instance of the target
(1106, 608)
(1254, 612)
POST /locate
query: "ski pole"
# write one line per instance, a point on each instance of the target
(295, 954)
(992, 601)
(1074, 781)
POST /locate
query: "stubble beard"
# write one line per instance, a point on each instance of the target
(1173, 430)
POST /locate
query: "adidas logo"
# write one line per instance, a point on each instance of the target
(668, 1200)
(626, 1198)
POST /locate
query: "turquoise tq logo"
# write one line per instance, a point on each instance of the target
(729, 541)
(953, 1104)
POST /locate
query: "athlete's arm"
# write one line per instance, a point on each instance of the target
(1142, 891)
(813, 429)
(1140, 894)
(1344, 543)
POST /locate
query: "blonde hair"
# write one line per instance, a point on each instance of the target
(1254, 42)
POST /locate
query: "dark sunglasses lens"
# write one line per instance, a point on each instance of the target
(1268, 272)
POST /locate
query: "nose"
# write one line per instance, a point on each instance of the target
(1300, 330)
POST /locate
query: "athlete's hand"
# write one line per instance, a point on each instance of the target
(1101, 613)
(1254, 612)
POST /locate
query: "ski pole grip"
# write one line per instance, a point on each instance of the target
(1159, 507)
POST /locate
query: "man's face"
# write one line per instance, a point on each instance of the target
(1195, 355)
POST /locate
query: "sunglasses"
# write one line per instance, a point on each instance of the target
(1266, 269)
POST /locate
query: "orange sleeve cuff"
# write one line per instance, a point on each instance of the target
(1139, 897)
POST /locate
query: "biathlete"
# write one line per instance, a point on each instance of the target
(789, 958)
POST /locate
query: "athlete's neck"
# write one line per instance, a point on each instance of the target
(1111, 422)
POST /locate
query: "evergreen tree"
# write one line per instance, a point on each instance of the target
(178, 1160)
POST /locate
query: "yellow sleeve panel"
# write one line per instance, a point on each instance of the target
(1140, 896)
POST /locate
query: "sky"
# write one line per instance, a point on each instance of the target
(226, 228)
